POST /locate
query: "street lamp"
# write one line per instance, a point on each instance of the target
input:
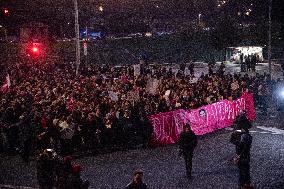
(101, 8)
(269, 38)
(77, 31)
(199, 18)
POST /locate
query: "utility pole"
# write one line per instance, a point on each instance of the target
(269, 38)
(86, 46)
(77, 31)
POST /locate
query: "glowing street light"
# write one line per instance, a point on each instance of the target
(101, 8)
(6, 11)
(269, 36)
(199, 18)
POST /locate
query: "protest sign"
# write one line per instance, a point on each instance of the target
(113, 96)
(136, 69)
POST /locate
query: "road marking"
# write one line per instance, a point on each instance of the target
(229, 129)
(262, 132)
(272, 130)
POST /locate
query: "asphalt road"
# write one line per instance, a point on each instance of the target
(163, 168)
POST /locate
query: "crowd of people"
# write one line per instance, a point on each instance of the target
(48, 106)
(248, 62)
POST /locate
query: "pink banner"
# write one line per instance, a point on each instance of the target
(168, 126)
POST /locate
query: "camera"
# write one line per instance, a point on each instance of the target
(51, 153)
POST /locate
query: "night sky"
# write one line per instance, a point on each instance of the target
(56, 12)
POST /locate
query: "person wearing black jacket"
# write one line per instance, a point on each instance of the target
(187, 144)
(137, 182)
(63, 170)
(191, 68)
(146, 130)
(27, 133)
(99, 128)
(242, 122)
(244, 158)
(282, 66)
(243, 140)
(45, 165)
(75, 181)
(12, 130)
(182, 67)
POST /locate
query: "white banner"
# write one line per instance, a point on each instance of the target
(113, 96)
(136, 69)
(152, 86)
(133, 95)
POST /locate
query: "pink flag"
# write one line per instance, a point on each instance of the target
(6, 85)
(70, 104)
(124, 79)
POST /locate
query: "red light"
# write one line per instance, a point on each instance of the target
(35, 49)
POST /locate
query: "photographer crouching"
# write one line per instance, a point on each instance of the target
(45, 167)
(56, 172)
